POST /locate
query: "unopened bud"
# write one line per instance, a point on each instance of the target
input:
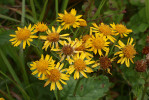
(141, 66)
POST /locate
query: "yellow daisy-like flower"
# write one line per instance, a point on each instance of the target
(120, 29)
(2, 99)
(24, 35)
(40, 67)
(126, 53)
(80, 64)
(82, 48)
(105, 30)
(69, 19)
(98, 43)
(68, 49)
(53, 37)
(55, 75)
(41, 27)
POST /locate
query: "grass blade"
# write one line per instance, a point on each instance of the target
(64, 5)
(43, 11)
(33, 10)
(99, 9)
(12, 72)
(56, 7)
(8, 18)
(18, 86)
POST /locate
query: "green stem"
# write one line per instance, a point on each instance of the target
(23, 13)
(64, 5)
(147, 9)
(33, 10)
(145, 87)
(118, 70)
(144, 91)
(56, 7)
(58, 94)
(43, 11)
(25, 77)
(76, 87)
(99, 9)
(75, 34)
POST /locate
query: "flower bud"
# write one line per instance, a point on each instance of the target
(141, 66)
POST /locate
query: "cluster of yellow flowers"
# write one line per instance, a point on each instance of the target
(78, 52)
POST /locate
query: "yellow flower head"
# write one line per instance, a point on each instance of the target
(80, 64)
(105, 30)
(68, 49)
(98, 43)
(40, 67)
(69, 19)
(83, 23)
(120, 29)
(82, 48)
(2, 99)
(24, 35)
(41, 27)
(55, 75)
(53, 37)
(126, 53)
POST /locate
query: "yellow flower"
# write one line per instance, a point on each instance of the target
(120, 29)
(40, 67)
(83, 23)
(105, 30)
(68, 49)
(41, 27)
(2, 99)
(80, 64)
(24, 35)
(126, 53)
(98, 43)
(82, 48)
(53, 37)
(69, 19)
(55, 75)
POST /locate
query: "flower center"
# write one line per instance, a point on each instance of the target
(53, 37)
(129, 51)
(23, 34)
(41, 27)
(121, 28)
(86, 37)
(69, 18)
(79, 65)
(67, 50)
(42, 65)
(55, 75)
(105, 62)
(105, 29)
(98, 43)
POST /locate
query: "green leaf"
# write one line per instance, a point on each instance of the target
(143, 27)
(88, 89)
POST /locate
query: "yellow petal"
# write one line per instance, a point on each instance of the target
(46, 83)
(59, 85)
(52, 86)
